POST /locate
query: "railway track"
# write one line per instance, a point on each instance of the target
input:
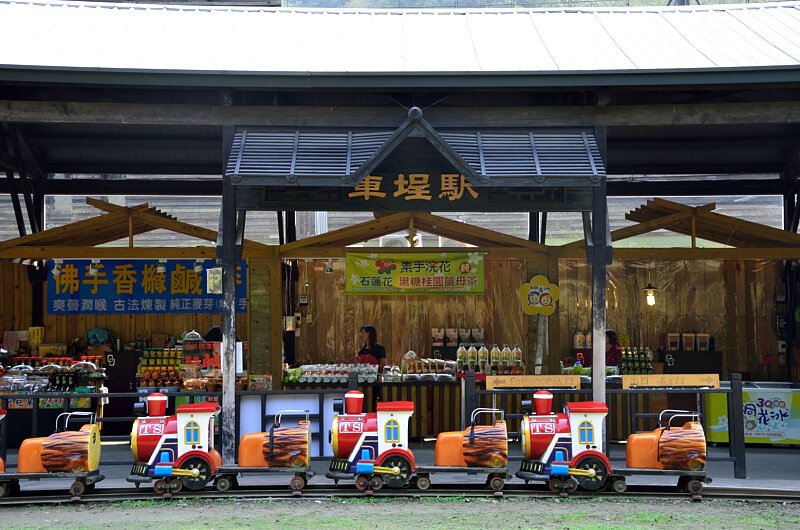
(325, 492)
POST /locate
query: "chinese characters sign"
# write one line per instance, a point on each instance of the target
(538, 296)
(135, 286)
(387, 273)
(415, 187)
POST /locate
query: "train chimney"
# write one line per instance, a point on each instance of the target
(353, 402)
(157, 404)
(543, 401)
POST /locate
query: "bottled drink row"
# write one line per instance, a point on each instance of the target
(495, 362)
(636, 360)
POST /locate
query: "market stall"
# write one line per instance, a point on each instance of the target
(124, 311)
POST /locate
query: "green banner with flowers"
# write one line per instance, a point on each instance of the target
(412, 273)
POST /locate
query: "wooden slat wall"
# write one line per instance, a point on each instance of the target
(734, 301)
(15, 297)
(404, 322)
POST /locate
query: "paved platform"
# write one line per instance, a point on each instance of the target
(768, 468)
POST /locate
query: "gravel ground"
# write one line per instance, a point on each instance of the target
(446, 512)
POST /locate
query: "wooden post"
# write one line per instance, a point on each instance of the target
(229, 262)
(600, 257)
(276, 324)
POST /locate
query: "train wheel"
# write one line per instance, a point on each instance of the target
(159, 486)
(362, 483)
(496, 484)
(5, 489)
(570, 485)
(555, 484)
(376, 482)
(203, 476)
(175, 485)
(596, 482)
(297, 483)
(223, 484)
(404, 477)
(423, 483)
(695, 487)
(77, 489)
(619, 485)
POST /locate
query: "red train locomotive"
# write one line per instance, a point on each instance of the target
(372, 448)
(564, 449)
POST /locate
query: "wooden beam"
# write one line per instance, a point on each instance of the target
(355, 233)
(335, 251)
(679, 254)
(111, 207)
(630, 231)
(75, 252)
(787, 112)
(467, 233)
(87, 226)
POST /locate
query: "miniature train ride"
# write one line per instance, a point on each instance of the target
(372, 448)
(64, 454)
(176, 452)
(564, 449)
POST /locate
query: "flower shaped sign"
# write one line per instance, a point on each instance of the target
(538, 296)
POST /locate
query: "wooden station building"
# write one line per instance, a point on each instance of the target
(535, 111)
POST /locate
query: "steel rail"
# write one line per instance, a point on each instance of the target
(326, 492)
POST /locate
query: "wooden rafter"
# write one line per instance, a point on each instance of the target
(357, 233)
(333, 243)
(715, 227)
(81, 238)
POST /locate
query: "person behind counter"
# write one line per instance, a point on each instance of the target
(371, 352)
(613, 350)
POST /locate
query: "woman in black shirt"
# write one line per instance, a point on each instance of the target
(371, 352)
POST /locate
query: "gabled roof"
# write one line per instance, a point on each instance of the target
(491, 157)
(238, 42)
(396, 222)
(698, 222)
(119, 222)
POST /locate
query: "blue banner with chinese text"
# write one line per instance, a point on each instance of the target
(136, 286)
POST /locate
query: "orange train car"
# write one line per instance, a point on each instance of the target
(282, 450)
(63, 454)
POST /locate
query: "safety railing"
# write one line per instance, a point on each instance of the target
(473, 397)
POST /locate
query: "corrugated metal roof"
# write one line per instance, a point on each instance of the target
(264, 40)
(505, 158)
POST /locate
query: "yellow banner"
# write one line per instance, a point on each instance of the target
(406, 273)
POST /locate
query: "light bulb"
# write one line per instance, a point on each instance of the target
(651, 298)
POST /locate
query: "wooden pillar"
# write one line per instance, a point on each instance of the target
(276, 319)
(259, 299)
(554, 347)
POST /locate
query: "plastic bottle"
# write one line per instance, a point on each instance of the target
(496, 358)
(483, 359)
(461, 357)
(506, 356)
(578, 340)
(516, 354)
(483, 353)
(472, 358)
